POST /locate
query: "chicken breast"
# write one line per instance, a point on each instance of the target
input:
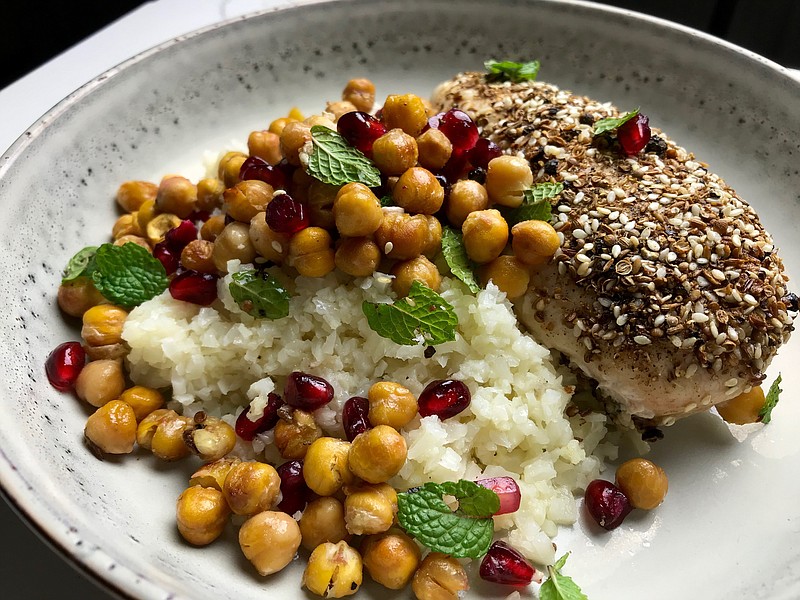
(666, 290)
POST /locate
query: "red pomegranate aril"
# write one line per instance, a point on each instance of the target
(194, 287)
(247, 429)
(171, 259)
(606, 503)
(444, 398)
(307, 392)
(355, 417)
(360, 129)
(257, 168)
(634, 134)
(294, 490)
(482, 152)
(64, 364)
(503, 564)
(284, 214)
(179, 237)
(460, 129)
(507, 490)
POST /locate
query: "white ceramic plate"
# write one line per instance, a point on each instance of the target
(730, 525)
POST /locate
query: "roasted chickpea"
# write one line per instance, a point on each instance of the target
(233, 243)
(333, 570)
(357, 211)
(321, 198)
(229, 167)
(378, 454)
(294, 136)
(271, 245)
(418, 191)
(534, 242)
(433, 241)
(295, 432)
(246, 199)
(439, 577)
(466, 196)
(146, 213)
(125, 225)
(201, 514)
(251, 487)
(265, 145)
(209, 193)
(337, 109)
(142, 400)
(325, 468)
(310, 252)
(406, 112)
(391, 558)
(361, 93)
(112, 428)
(132, 194)
(211, 229)
(358, 257)
(391, 404)
(107, 352)
(485, 234)
(159, 225)
(323, 521)
(176, 195)
(744, 408)
(77, 296)
(395, 152)
(506, 178)
(213, 474)
(434, 149)
(102, 325)
(100, 382)
(508, 273)
(166, 441)
(210, 438)
(278, 125)
(148, 425)
(402, 236)
(321, 121)
(197, 255)
(133, 239)
(415, 269)
(643, 482)
(367, 510)
(269, 540)
(318, 264)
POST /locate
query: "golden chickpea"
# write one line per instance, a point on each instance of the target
(368, 511)
(251, 487)
(395, 152)
(415, 269)
(271, 245)
(310, 252)
(321, 197)
(146, 429)
(125, 225)
(146, 213)
(485, 234)
(270, 541)
(265, 145)
(102, 325)
(133, 239)
(278, 125)
(293, 137)
(333, 571)
(357, 211)
(213, 474)
(229, 166)
(391, 404)
(358, 257)
(246, 199)
(159, 225)
(643, 482)
(378, 454)
(177, 195)
(402, 236)
(320, 121)
(167, 439)
(744, 408)
(361, 93)
(439, 577)
(325, 468)
(209, 193)
(132, 194)
(201, 514)
(434, 149)
(100, 382)
(509, 274)
(506, 178)
(77, 296)
(210, 438)
(391, 558)
(112, 428)
(337, 109)
(323, 521)
(197, 255)
(466, 196)
(418, 191)
(406, 112)
(433, 241)
(211, 229)
(534, 242)
(107, 352)
(295, 432)
(233, 243)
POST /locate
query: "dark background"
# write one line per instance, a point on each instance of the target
(36, 31)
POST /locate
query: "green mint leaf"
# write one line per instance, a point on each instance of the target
(259, 294)
(535, 204)
(773, 395)
(387, 201)
(558, 586)
(422, 314)
(80, 265)
(612, 123)
(465, 533)
(508, 70)
(456, 256)
(336, 162)
(128, 275)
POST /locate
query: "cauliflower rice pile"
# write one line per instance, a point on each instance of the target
(221, 360)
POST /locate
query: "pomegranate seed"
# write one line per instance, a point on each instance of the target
(171, 259)
(355, 417)
(179, 237)
(194, 287)
(503, 564)
(64, 364)
(482, 152)
(293, 487)
(634, 134)
(247, 429)
(455, 167)
(257, 168)
(360, 129)
(606, 503)
(284, 214)
(460, 129)
(444, 398)
(307, 392)
(506, 489)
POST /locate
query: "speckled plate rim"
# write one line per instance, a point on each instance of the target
(124, 581)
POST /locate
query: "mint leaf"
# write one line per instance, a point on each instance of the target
(80, 265)
(259, 294)
(465, 533)
(336, 162)
(535, 204)
(558, 586)
(128, 275)
(773, 395)
(387, 201)
(611, 123)
(515, 72)
(456, 256)
(422, 314)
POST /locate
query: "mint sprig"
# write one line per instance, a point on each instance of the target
(465, 533)
(336, 162)
(773, 396)
(507, 70)
(259, 294)
(535, 203)
(421, 317)
(559, 586)
(612, 123)
(80, 265)
(128, 275)
(456, 256)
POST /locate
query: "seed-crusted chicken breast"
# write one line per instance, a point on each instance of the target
(666, 290)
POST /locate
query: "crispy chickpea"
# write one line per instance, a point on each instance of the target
(434, 149)
(293, 137)
(321, 121)
(333, 570)
(506, 178)
(278, 125)
(107, 352)
(391, 558)
(367, 510)
(310, 252)
(402, 236)
(415, 269)
(177, 195)
(265, 145)
(378, 454)
(395, 152)
(112, 428)
(323, 521)
(77, 296)
(485, 234)
(321, 198)
(209, 193)
(102, 324)
(132, 194)
(146, 213)
(391, 404)
(125, 225)
(406, 112)
(133, 239)
(269, 540)
(643, 482)
(233, 243)
(213, 474)
(100, 382)
(357, 211)
(229, 166)
(358, 257)
(246, 199)
(418, 191)
(211, 229)
(167, 439)
(251, 487)
(201, 514)
(508, 273)
(210, 438)
(361, 93)
(197, 255)
(159, 225)
(466, 196)
(148, 425)
(744, 408)
(439, 577)
(534, 242)
(295, 432)
(271, 245)
(433, 240)
(337, 109)
(325, 468)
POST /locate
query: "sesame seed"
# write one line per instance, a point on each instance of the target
(642, 340)
(388, 247)
(732, 382)
(699, 318)
(578, 234)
